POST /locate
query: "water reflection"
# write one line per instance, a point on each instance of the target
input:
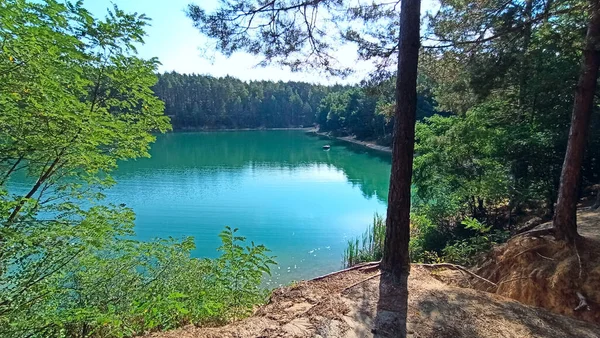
(266, 149)
(279, 187)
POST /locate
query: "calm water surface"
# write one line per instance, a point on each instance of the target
(280, 188)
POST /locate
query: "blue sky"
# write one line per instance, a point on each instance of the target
(177, 44)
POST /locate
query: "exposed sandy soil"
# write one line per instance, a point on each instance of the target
(588, 223)
(540, 271)
(357, 303)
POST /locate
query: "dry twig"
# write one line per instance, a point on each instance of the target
(582, 302)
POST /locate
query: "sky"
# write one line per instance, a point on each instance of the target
(179, 46)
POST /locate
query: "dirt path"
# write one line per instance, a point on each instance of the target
(349, 305)
(588, 223)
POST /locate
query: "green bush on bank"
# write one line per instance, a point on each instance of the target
(428, 243)
(122, 288)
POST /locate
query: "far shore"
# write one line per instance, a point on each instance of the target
(352, 139)
(308, 130)
(240, 129)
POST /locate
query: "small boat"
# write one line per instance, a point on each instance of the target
(327, 146)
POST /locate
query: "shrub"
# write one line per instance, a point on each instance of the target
(428, 243)
(466, 251)
(124, 288)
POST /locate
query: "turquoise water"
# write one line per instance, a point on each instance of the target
(280, 188)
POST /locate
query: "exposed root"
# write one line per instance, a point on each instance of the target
(528, 250)
(578, 260)
(362, 281)
(512, 280)
(548, 275)
(457, 267)
(544, 257)
(536, 233)
(356, 267)
(582, 303)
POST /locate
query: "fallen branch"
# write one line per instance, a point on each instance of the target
(371, 268)
(457, 267)
(356, 267)
(582, 302)
(530, 225)
(362, 281)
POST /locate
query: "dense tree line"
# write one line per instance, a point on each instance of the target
(206, 102)
(505, 143)
(366, 112)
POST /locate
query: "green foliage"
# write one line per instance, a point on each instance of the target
(512, 97)
(240, 270)
(426, 238)
(366, 113)
(120, 288)
(467, 251)
(432, 244)
(205, 102)
(369, 247)
(75, 99)
(429, 243)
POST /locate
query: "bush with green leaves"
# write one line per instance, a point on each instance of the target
(74, 100)
(429, 243)
(119, 287)
(467, 251)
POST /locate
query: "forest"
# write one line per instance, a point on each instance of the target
(202, 102)
(205, 102)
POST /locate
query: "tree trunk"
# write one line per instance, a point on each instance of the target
(395, 254)
(565, 216)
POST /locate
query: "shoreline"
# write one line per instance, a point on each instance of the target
(353, 140)
(307, 129)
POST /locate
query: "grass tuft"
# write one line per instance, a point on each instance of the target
(369, 246)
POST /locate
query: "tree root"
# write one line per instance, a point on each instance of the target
(362, 281)
(356, 267)
(457, 267)
(578, 260)
(582, 303)
(535, 233)
(512, 280)
(526, 251)
(544, 257)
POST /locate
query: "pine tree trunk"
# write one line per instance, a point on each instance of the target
(395, 254)
(565, 216)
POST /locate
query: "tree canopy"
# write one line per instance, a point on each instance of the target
(205, 102)
(74, 100)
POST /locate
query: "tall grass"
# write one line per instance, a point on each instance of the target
(368, 247)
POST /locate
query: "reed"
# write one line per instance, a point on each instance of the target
(369, 246)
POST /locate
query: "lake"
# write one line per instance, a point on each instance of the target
(280, 188)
